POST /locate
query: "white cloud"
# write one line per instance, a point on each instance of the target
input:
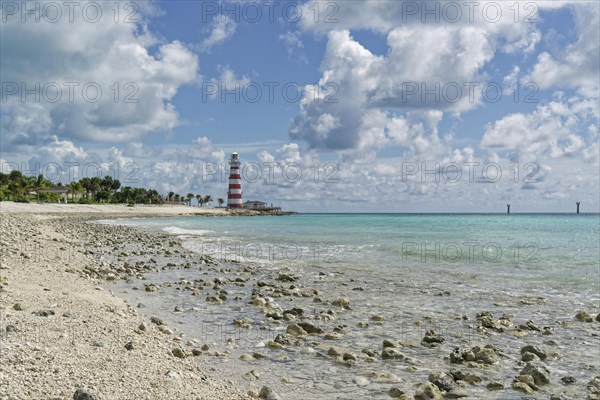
(136, 86)
(577, 65)
(550, 131)
(294, 45)
(222, 29)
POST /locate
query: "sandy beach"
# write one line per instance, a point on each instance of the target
(64, 335)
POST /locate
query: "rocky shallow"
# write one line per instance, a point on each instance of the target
(276, 332)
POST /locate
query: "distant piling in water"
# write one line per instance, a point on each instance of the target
(578, 203)
(508, 208)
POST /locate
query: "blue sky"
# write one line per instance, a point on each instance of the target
(374, 131)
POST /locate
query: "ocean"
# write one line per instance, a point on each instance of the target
(415, 271)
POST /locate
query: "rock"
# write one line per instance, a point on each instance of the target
(396, 393)
(43, 313)
(584, 316)
(349, 357)
(165, 330)
(377, 317)
(178, 309)
(568, 380)
(456, 357)
(428, 391)
(178, 352)
(522, 387)
(268, 394)
(310, 328)
(129, 346)
(252, 375)
(19, 307)
(598, 317)
(529, 357)
(495, 385)
(286, 277)
(296, 330)
(142, 327)
(84, 394)
(197, 352)
(388, 343)
(471, 378)
(389, 353)
(332, 336)
(486, 356)
(361, 381)
(593, 386)
(457, 374)
(527, 379)
(342, 302)
(442, 380)
(539, 373)
(205, 347)
(431, 339)
(535, 350)
(157, 321)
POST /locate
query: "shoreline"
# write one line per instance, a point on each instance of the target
(80, 262)
(62, 331)
(124, 211)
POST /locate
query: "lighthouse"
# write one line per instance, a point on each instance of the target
(234, 193)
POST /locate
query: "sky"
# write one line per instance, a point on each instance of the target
(333, 106)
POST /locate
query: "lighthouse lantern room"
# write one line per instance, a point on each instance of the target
(234, 193)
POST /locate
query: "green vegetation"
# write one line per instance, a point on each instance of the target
(18, 187)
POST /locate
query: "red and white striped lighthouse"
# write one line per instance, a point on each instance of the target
(234, 193)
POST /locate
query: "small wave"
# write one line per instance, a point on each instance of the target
(181, 231)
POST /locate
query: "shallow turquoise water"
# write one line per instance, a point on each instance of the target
(554, 251)
(410, 268)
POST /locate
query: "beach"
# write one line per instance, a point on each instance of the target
(128, 306)
(63, 331)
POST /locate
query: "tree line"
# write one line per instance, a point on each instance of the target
(18, 187)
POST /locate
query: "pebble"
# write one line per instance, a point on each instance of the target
(442, 380)
(428, 391)
(268, 394)
(84, 394)
(178, 352)
(539, 373)
(584, 316)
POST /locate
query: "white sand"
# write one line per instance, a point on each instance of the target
(149, 210)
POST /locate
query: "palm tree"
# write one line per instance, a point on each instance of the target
(199, 199)
(220, 201)
(95, 185)
(171, 194)
(207, 199)
(75, 188)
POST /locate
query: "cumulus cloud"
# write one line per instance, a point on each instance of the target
(222, 29)
(95, 82)
(550, 131)
(577, 65)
